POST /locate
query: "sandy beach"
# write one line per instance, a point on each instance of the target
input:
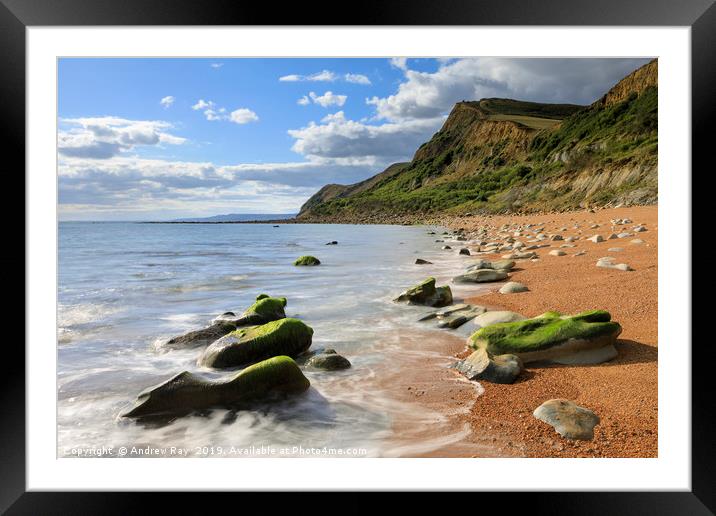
(623, 391)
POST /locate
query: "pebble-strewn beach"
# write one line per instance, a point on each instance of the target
(623, 391)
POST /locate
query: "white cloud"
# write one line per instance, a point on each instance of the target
(106, 137)
(322, 76)
(399, 62)
(328, 99)
(213, 113)
(339, 138)
(357, 78)
(167, 101)
(243, 116)
(427, 95)
(216, 65)
(303, 101)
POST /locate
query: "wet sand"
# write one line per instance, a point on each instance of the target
(623, 392)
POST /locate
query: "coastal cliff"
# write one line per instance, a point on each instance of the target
(506, 156)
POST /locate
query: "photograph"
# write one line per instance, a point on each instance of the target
(404, 256)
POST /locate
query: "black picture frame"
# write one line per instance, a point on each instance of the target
(700, 15)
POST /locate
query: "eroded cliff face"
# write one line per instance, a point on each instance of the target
(634, 83)
(501, 155)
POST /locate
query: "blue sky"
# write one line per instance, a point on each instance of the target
(153, 139)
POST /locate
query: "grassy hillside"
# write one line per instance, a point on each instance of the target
(500, 155)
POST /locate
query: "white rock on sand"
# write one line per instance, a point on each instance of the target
(513, 287)
(607, 262)
(556, 252)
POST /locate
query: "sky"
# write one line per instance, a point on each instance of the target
(163, 138)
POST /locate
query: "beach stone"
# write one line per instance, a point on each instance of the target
(329, 360)
(553, 337)
(452, 309)
(596, 239)
(580, 253)
(307, 261)
(607, 262)
(638, 229)
(480, 276)
(460, 238)
(186, 392)
(464, 251)
(497, 316)
(502, 265)
(637, 241)
(426, 293)
(457, 318)
(520, 256)
(446, 247)
(615, 249)
(479, 366)
(420, 261)
(513, 287)
(557, 237)
(624, 235)
(243, 346)
(556, 252)
(568, 419)
(332, 242)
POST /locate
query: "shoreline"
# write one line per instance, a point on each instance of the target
(623, 391)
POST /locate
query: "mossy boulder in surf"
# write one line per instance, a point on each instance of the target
(307, 260)
(247, 345)
(329, 360)
(585, 338)
(186, 392)
(265, 309)
(426, 293)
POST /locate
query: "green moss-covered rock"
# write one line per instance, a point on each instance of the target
(247, 345)
(329, 360)
(552, 337)
(426, 293)
(307, 260)
(187, 392)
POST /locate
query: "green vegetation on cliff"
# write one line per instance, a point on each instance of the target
(498, 155)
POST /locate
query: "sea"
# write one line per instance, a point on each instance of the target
(124, 288)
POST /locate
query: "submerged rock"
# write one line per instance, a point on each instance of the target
(585, 338)
(464, 251)
(420, 261)
(480, 366)
(202, 337)
(332, 242)
(329, 360)
(244, 346)
(186, 392)
(456, 318)
(569, 419)
(307, 261)
(480, 276)
(426, 293)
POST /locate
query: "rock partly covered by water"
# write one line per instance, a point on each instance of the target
(186, 392)
(569, 419)
(247, 345)
(480, 366)
(265, 309)
(426, 293)
(329, 360)
(585, 338)
(307, 261)
(420, 261)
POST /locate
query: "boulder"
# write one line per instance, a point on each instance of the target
(426, 293)
(186, 392)
(307, 261)
(479, 366)
(457, 318)
(569, 419)
(420, 261)
(498, 316)
(464, 251)
(480, 276)
(584, 338)
(264, 310)
(513, 287)
(329, 360)
(247, 345)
